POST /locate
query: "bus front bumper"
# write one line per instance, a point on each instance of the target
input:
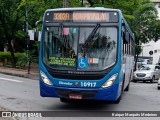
(110, 93)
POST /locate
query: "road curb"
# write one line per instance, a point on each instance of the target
(30, 76)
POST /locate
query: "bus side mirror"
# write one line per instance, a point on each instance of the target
(36, 33)
(38, 22)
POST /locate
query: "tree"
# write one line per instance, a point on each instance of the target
(145, 16)
(12, 16)
(9, 21)
(141, 16)
(36, 9)
(154, 30)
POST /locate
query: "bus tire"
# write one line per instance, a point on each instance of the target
(65, 100)
(127, 88)
(118, 100)
(120, 97)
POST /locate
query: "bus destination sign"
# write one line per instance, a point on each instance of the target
(90, 16)
(61, 16)
(81, 16)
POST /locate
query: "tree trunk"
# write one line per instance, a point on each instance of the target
(102, 2)
(91, 2)
(135, 64)
(10, 47)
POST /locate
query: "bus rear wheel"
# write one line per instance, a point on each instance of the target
(127, 88)
(120, 97)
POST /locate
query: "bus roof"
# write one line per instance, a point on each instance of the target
(83, 8)
(94, 8)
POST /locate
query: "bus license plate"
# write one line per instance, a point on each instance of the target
(75, 96)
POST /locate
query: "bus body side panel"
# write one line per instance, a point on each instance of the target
(127, 60)
(120, 58)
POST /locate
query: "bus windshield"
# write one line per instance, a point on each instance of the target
(90, 48)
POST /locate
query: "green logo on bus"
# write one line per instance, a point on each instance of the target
(62, 61)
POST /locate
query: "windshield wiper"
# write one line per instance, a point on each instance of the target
(90, 37)
(64, 40)
(61, 26)
(66, 48)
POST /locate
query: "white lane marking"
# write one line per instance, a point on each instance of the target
(12, 80)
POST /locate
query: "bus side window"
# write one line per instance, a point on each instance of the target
(125, 43)
(129, 46)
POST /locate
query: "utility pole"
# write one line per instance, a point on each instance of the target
(65, 3)
(27, 38)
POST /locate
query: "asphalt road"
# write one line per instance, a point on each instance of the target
(21, 94)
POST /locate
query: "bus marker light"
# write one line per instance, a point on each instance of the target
(110, 81)
(45, 79)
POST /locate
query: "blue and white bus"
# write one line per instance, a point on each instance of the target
(85, 53)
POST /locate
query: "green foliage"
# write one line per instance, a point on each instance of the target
(138, 49)
(140, 14)
(10, 23)
(5, 58)
(36, 8)
(10, 16)
(21, 58)
(28, 58)
(145, 15)
(75, 3)
(154, 30)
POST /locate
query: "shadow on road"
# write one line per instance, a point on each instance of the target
(147, 82)
(85, 105)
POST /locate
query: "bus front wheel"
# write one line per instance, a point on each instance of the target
(120, 97)
(118, 100)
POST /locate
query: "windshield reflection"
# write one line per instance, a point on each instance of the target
(80, 48)
(147, 67)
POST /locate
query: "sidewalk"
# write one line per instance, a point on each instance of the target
(20, 72)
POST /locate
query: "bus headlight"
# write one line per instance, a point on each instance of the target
(110, 81)
(45, 79)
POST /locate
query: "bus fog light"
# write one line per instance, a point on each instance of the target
(110, 81)
(45, 79)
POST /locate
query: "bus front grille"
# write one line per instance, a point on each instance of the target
(76, 76)
(87, 94)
